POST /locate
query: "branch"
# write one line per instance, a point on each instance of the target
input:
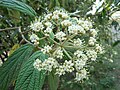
(26, 39)
(9, 29)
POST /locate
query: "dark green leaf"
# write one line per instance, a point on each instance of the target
(51, 36)
(10, 69)
(30, 78)
(116, 43)
(17, 5)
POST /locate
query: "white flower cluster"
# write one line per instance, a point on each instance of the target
(92, 54)
(46, 49)
(81, 75)
(34, 39)
(75, 29)
(60, 35)
(70, 47)
(66, 23)
(47, 65)
(37, 26)
(92, 41)
(59, 53)
(77, 42)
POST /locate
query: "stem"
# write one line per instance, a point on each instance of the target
(68, 38)
(23, 36)
(26, 39)
(9, 29)
(67, 53)
(55, 42)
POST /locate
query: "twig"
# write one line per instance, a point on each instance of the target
(9, 29)
(27, 40)
(23, 36)
(55, 42)
(67, 53)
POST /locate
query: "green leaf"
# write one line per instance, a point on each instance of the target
(14, 15)
(30, 78)
(116, 43)
(51, 36)
(53, 81)
(10, 69)
(17, 5)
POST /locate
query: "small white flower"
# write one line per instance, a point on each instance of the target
(55, 17)
(77, 42)
(91, 41)
(60, 70)
(60, 35)
(48, 16)
(78, 53)
(38, 64)
(66, 23)
(48, 24)
(48, 30)
(59, 53)
(68, 66)
(75, 29)
(34, 38)
(79, 64)
(72, 29)
(37, 26)
(93, 32)
(99, 48)
(49, 64)
(92, 54)
(46, 49)
(64, 15)
(87, 25)
(82, 74)
(56, 12)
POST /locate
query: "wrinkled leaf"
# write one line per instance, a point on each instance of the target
(30, 78)
(17, 5)
(10, 69)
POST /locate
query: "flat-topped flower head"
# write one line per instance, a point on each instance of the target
(69, 42)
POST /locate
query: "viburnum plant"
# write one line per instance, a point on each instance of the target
(70, 44)
(60, 46)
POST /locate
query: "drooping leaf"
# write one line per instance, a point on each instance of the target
(30, 78)
(10, 69)
(17, 5)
